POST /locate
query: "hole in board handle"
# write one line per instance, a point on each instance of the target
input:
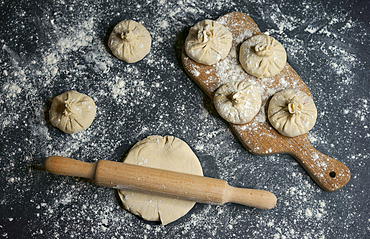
(332, 174)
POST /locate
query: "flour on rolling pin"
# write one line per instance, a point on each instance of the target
(258, 136)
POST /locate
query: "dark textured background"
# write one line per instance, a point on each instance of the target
(48, 47)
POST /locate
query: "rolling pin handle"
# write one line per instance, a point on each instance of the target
(251, 197)
(69, 167)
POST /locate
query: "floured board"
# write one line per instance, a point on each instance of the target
(258, 136)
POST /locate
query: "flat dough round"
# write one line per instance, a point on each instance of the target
(130, 41)
(72, 112)
(208, 42)
(237, 102)
(292, 112)
(168, 153)
(262, 56)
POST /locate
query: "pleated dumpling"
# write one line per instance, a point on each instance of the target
(208, 42)
(237, 102)
(262, 56)
(292, 112)
(72, 111)
(130, 41)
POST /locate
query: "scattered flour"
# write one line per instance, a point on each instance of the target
(156, 97)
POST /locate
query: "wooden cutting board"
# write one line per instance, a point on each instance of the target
(258, 136)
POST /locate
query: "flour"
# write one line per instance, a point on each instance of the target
(66, 50)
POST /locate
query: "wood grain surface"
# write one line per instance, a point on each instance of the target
(160, 182)
(258, 136)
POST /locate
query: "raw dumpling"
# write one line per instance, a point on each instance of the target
(237, 102)
(208, 42)
(72, 112)
(168, 153)
(130, 41)
(262, 56)
(292, 112)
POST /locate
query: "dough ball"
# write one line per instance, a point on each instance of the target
(130, 41)
(237, 102)
(72, 112)
(292, 112)
(208, 42)
(262, 56)
(168, 153)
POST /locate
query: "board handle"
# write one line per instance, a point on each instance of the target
(328, 173)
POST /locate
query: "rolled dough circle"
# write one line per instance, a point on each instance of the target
(168, 153)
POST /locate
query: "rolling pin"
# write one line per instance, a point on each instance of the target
(160, 182)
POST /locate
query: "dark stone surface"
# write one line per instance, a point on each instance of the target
(48, 47)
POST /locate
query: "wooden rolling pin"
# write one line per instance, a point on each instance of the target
(160, 182)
